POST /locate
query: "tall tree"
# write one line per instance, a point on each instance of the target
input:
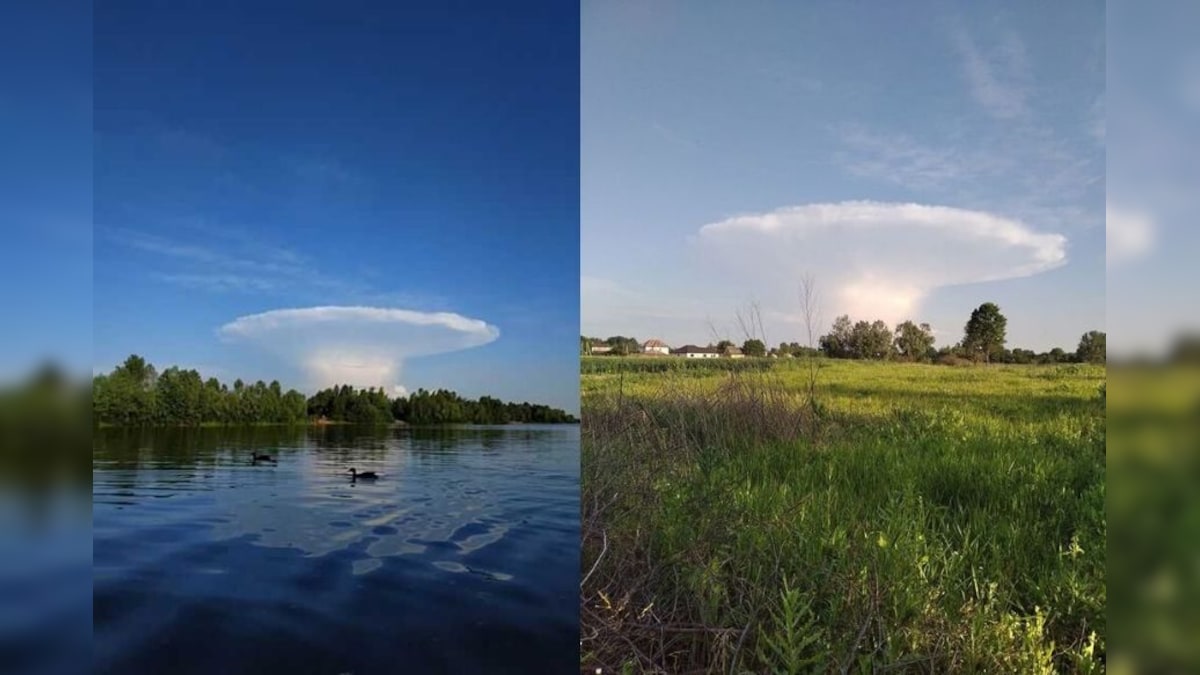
(754, 347)
(985, 332)
(870, 340)
(913, 342)
(1091, 347)
(836, 344)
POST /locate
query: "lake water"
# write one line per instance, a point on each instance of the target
(462, 558)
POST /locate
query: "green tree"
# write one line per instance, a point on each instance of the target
(137, 371)
(754, 347)
(623, 346)
(1091, 347)
(913, 342)
(1185, 349)
(870, 340)
(836, 344)
(985, 332)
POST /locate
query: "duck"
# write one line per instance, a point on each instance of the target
(367, 475)
(261, 458)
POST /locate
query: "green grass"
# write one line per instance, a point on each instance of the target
(916, 518)
(1154, 457)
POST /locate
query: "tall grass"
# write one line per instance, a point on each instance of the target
(670, 364)
(918, 519)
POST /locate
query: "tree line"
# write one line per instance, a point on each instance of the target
(423, 407)
(136, 394)
(984, 339)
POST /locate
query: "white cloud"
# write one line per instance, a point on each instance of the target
(238, 263)
(998, 80)
(898, 158)
(1129, 235)
(875, 259)
(361, 346)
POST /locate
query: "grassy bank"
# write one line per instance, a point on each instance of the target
(915, 518)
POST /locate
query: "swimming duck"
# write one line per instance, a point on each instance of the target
(261, 458)
(368, 475)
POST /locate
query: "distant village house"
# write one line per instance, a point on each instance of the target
(694, 352)
(655, 346)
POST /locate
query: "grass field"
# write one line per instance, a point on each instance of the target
(908, 518)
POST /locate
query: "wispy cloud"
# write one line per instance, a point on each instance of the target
(231, 261)
(242, 253)
(1025, 169)
(324, 170)
(899, 159)
(673, 136)
(219, 283)
(999, 78)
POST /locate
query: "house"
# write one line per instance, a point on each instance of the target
(655, 346)
(733, 352)
(694, 352)
(600, 349)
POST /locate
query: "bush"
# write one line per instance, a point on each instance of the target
(953, 360)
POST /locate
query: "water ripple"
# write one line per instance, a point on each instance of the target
(203, 559)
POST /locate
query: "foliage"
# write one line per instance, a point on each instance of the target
(837, 343)
(754, 347)
(622, 346)
(423, 407)
(134, 394)
(859, 340)
(871, 340)
(1091, 348)
(985, 332)
(913, 342)
(795, 349)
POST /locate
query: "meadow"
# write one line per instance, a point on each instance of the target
(842, 516)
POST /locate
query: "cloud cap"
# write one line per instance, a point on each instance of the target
(881, 258)
(362, 346)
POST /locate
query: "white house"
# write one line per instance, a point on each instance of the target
(694, 352)
(655, 346)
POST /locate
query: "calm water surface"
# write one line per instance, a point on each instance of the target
(462, 558)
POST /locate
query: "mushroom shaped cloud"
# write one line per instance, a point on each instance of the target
(360, 346)
(880, 259)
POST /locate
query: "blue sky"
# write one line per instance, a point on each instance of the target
(916, 164)
(45, 186)
(1153, 170)
(420, 162)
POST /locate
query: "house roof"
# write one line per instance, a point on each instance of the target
(693, 349)
(653, 342)
(733, 349)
